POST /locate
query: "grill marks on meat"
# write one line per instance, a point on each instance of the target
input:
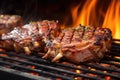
(80, 45)
(88, 33)
(30, 37)
(76, 45)
(67, 36)
(78, 34)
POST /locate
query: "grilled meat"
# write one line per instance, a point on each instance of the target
(80, 45)
(30, 37)
(8, 22)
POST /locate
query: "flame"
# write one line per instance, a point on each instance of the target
(85, 14)
(88, 13)
(112, 18)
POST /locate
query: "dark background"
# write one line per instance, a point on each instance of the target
(36, 9)
(32, 10)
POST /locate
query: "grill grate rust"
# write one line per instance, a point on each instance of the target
(34, 67)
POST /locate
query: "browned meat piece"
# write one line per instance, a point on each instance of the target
(30, 37)
(77, 45)
(8, 22)
(88, 33)
(68, 33)
(78, 34)
(84, 44)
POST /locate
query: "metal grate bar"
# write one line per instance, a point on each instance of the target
(36, 70)
(111, 63)
(101, 67)
(67, 66)
(24, 75)
(51, 68)
(56, 70)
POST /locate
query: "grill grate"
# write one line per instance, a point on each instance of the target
(30, 67)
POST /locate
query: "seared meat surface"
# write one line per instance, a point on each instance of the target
(8, 22)
(81, 44)
(30, 37)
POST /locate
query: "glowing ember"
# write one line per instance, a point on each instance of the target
(78, 71)
(116, 62)
(78, 66)
(2, 50)
(4, 55)
(64, 62)
(93, 75)
(76, 78)
(79, 78)
(118, 57)
(58, 79)
(34, 73)
(107, 78)
(91, 68)
(105, 71)
(33, 67)
(104, 65)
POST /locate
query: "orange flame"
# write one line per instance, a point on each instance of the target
(90, 14)
(86, 13)
(112, 18)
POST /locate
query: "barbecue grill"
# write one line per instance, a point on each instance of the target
(20, 66)
(16, 66)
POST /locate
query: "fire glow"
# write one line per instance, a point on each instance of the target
(112, 18)
(91, 15)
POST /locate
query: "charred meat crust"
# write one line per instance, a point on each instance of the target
(81, 44)
(30, 37)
